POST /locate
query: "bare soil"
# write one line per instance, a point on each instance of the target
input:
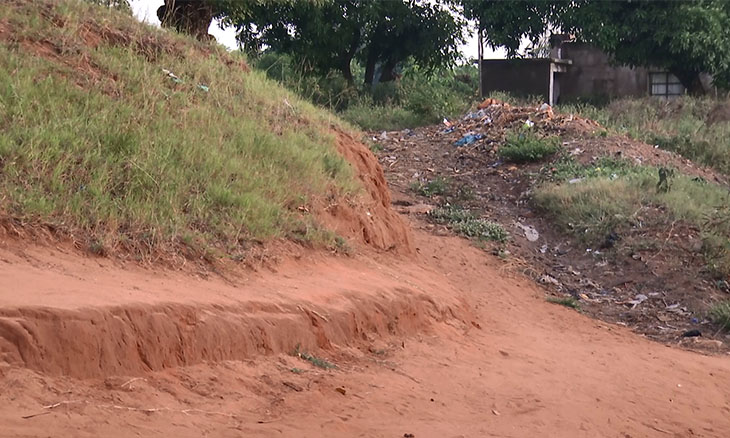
(442, 343)
(661, 261)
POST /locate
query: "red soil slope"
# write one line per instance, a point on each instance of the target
(411, 356)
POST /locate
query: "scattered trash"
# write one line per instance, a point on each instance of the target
(575, 180)
(341, 390)
(544, 248)
(638, 299)
(447, 123)
(384, 135)
(691, 333)
(495, 412)
(408, 435)
(529, 123)
(448, 130)
(544, 107)
(468, 139)
(204, 87)
(530, 232)
(547, 279)
(172, 76)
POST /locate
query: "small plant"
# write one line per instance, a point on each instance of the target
(720, 314)
(525, 146)
(436, 187)
(463, 222)
(566, 301)
(314, 360)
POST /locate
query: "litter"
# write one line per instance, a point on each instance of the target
(575, 180)
(172, 76)
(468, 139)
(530, 232)
(203, 87)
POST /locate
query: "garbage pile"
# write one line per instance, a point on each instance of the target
(493, 118)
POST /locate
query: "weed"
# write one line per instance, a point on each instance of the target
(464, 223)
(720, 314)
(524, 146)
(601, 203)
(314, 360)
(685, 125)
(436, 187)
(566, 301)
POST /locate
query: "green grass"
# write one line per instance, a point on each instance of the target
(613, 196)
(525, 146)
(720, 314)
(435, 187)
(314, 360)
(419, 98)
(567, 302)
(99, 143)
(464, 223)
(681, 125)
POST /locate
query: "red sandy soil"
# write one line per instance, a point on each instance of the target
(440, 344)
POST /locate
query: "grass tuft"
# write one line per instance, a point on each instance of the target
(525, 146)
(464, 223)
(566, 301)
(720, 314)
(314, 360)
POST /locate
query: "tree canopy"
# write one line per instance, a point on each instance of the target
(687, 38)
(330, 34)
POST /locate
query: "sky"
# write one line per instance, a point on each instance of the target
(146, 10)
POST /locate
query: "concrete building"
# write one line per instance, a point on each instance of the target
(575, 71)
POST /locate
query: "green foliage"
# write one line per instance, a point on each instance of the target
(464, 223)
(686, 38)
(720, 314)
(131, 160)
(567, 302)
(602, 202)
(418, 98)
(438, 186)
(524, 146)
(686, 125)
(120, 5)
(314, 360)
(329, 35)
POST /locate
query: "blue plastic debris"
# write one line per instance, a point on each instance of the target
(468, 139)
(203, 87)
(448, 131)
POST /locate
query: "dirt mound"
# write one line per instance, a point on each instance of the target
(659, 262)
(136, 321)
(369, 219)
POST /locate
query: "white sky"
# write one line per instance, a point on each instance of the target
(146, 10)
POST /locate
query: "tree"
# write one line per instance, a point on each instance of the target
(330, 34)
(686, 38)
(192, 17)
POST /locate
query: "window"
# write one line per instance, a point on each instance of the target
(665, 84)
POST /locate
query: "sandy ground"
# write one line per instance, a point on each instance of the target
(462, 348)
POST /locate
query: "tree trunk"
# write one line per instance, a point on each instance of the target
(192, 17)
(691, 82)
(388, 73)
(346, 64)
(370, 64)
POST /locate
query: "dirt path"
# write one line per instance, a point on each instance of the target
(484, 355)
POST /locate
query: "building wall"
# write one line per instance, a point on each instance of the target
(520, 77)
(592, 76)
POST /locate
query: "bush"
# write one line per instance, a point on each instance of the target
(720, 314)
(524, 146)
